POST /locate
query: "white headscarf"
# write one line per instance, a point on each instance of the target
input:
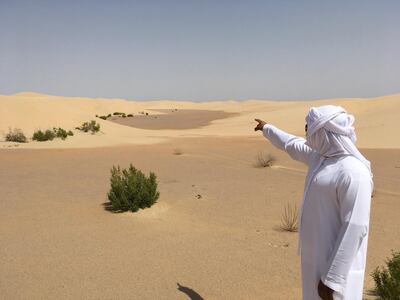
(330, 133)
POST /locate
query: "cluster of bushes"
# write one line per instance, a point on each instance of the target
(120, 114)
(131, 189)
(51, 134)
(104, 117)
(91, 127)
(16, 135)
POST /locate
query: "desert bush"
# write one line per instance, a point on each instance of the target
(387, 280)
(290, 217)
(118, 113)
(15, 135)
(91, 127)
(109, 115)
(264, 160)
(103, 117)
(130, 115)
(42, 136)
(50, 135)
(60, 133)
(131, 189)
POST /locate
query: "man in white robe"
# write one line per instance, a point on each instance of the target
(334, 218)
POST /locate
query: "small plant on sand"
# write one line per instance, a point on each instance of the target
(264, 160)
(103, 117)
(131, 189)
(91, 127)
(118, 113)
(387, 280)
(290, 217)
(60, 133)
(42, 136)
(130, 115)
(15, 135)
(178, 151)
(49, 135)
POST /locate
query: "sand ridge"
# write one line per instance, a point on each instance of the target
(376, 118)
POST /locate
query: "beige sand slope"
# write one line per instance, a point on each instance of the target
(377, 118)
(58, 242)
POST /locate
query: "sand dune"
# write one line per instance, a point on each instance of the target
(59, 242)
(376, 118)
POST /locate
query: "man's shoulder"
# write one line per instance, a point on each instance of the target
(351, 167)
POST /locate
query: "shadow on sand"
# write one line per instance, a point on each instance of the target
(189, 292)
(108, 207)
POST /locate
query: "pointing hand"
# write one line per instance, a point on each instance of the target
(260, 124)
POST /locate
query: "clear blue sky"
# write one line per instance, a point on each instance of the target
(201, 50)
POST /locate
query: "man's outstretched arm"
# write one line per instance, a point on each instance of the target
(295, 146)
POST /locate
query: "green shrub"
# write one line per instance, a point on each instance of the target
(15, 135)
(42, 136)
(60, 133)
(387, 280)
(131, 189)
(91, 126)
(49, 134)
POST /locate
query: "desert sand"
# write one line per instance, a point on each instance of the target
(59, 242)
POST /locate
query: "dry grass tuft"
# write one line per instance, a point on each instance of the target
(264, 160)
(15, 135)
(290, 218)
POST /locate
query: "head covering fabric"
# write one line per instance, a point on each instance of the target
(331, 133)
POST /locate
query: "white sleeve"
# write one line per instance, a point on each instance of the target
(354, 199)
(295, 146)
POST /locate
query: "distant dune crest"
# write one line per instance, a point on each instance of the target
(376, 119)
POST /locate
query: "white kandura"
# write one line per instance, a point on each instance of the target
(334, 218)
